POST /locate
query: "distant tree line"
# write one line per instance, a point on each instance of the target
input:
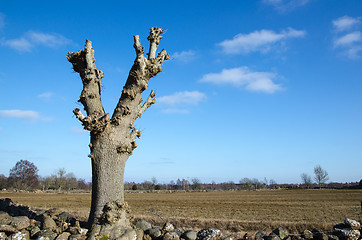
(195, 184)
(61, 180)
(244, 184)
(24, 176)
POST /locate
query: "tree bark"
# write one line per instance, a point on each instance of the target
(113, 139)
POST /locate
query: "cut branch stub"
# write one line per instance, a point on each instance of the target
(150, 100)
(154, 38)
(83, 63)
(94, 123)
(79, 114)
(76, 59)
(137, 45)
(135, 133)
(125, 148)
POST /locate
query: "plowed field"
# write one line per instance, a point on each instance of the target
(228, 210)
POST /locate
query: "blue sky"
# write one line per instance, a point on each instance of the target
(257, 89)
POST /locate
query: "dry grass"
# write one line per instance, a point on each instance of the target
(234, 211)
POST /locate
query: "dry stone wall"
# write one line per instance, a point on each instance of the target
(18, 222)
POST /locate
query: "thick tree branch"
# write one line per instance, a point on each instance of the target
(154, 38)
(137, 46)
(83, 63)
(162, 56)
(129, 105)
(155, 66)
(79, 114)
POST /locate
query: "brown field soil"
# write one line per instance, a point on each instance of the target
(234, 211)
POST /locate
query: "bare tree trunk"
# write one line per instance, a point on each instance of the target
(113, 139)
(107, 171)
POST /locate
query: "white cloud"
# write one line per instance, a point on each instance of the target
(262, 41)
(348, 39)
(184, 56)
(25, 114)
(32, 39)
(354, 52)
(19, 44)
(176, 111)
(283, 6)
(244, 77)
(183, 98)
(30, 115)
(46, 96)
(345, 23)
(46, 39)
(180, 101)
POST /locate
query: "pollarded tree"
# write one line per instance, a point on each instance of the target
(112, 139)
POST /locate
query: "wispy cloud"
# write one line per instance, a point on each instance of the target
(258, 41)
(19, 44)
(180, 101)
(171, 110)
(284, 6)
(2, 21)
(46, 39)
(354, 52)
(346, 23)
(185, 56)
(24, 114)
(348, 39)
(348, 36)
(32, 39)
(245, 78)
(46, 96)
(186, 97)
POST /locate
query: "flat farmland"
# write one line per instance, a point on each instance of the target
(233, 211)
